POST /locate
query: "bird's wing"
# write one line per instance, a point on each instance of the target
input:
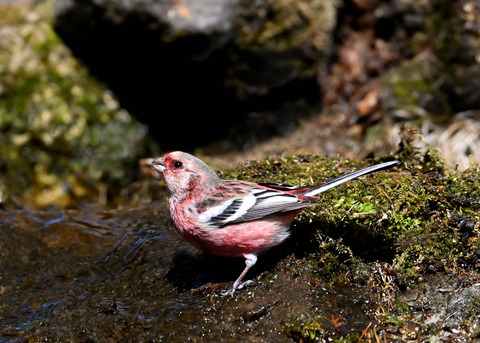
(239, 201)
(232, 206)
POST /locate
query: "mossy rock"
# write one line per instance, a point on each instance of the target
(63, 135)
(392, 234)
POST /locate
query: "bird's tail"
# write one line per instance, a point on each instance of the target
(347, 177)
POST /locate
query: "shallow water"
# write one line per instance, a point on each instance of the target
(121, 275)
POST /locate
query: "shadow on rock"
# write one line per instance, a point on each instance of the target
(192, 271)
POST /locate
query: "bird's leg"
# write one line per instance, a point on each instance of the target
(250, 260)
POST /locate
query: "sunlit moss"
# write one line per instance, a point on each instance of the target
(63, 135)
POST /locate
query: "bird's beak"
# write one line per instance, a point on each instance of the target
(158, 165)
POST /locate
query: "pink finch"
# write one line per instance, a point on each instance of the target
(231, 217)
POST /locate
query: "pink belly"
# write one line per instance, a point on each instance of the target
(244, 238)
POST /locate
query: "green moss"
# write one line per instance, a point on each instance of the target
(446, 31)
(433, 84)
(63, 136)
(413, 83)
(304, 329)
(282, 25)
(277, 41)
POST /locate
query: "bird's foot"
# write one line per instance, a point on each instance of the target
(236, 286)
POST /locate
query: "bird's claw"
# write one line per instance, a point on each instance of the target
(228, 293)
(246, 283)
(236, 286)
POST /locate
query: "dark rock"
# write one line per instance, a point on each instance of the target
(192, 69)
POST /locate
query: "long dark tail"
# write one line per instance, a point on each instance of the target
(347, 177)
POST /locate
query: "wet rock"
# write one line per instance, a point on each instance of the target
(93, 274)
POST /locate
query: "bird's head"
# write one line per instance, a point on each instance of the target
(184, 173)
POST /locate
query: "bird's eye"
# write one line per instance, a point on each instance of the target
(177, 164)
